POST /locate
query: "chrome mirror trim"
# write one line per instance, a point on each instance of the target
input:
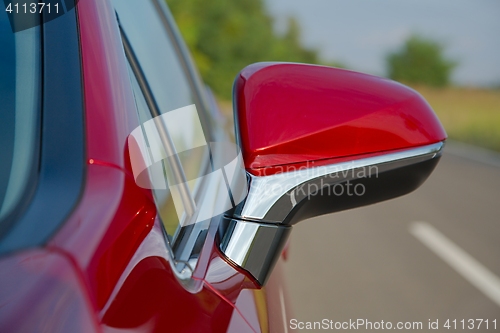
(257, 230)
(265, 191)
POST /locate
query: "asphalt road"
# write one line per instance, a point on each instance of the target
(376, 263)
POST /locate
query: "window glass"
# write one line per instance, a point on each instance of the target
(171, 90)
(19, 114)
(165, 75)
(155, 52)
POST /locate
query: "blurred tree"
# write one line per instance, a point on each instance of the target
(224, 36)
(420, 61)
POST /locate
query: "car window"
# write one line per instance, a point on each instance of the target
(162, 69)
(20, 78)
(164, 72)
(163, 197)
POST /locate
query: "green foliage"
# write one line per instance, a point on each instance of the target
(420, 61)
(224, 36)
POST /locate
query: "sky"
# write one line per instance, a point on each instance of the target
(360, 33)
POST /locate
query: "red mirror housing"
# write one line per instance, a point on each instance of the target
(318, 140)
(289, 114)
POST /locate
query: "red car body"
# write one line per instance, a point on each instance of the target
(97, 273)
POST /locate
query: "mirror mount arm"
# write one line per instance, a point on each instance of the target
(254, 246)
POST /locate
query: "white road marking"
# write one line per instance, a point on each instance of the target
(472, 270)
(283, 310)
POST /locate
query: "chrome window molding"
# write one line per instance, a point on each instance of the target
(266, 191)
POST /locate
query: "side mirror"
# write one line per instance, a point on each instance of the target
(317, 140)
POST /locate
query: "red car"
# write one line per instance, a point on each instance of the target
(124, 204)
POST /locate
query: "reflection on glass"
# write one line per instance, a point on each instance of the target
(19, 112)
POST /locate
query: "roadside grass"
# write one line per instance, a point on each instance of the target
(468, 115)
